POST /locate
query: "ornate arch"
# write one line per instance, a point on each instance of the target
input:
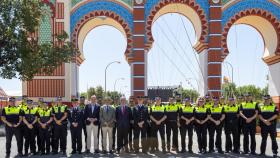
(51, 5)
(108, 14)
(190, 3)
(250, 12)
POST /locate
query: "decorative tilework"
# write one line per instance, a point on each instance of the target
(150, 4)
(101, 6)
(128, 2)
(45, 32)
(249, 4)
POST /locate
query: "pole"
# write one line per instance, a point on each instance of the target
(116, 83)
(106, 73)
(231, 70)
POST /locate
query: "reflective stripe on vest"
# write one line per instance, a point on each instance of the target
(158, 108)
(31, 111)
(267, 108)
(249, 105)
(216, 110)
(231, 109)
(187, 109)
(201, 110)
(62, 108)
(172, 108)
(44, 113)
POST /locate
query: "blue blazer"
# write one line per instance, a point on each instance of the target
(123, 120)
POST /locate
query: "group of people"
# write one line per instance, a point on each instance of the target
(121, 123)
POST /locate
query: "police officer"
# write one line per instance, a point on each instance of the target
(23, 105)
(231, 126)
(12, 118)
(240, 100)
(249, 113)
(268, 114)
(82, 106)
(201, 118)
(131, 129)
(29, 119)
(208, 105)
(45, 120)
(60, 114)
(216, 119)
(140, 117)
(148, 103)
(172, 121)
(186, 122)
(37, 126)
(76, 125)
(157, 116)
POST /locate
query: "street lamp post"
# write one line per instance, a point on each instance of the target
(106, 73)
(116, 83)
(231, 70)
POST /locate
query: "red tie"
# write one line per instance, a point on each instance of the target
(123, 109)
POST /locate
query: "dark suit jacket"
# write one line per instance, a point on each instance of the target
(89, 114)
(76, 116)
(123, 120)
(140, 114)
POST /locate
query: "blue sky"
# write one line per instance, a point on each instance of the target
(171, 49)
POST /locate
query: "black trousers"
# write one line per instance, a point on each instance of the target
(183, 130)
(232, 136)
(76, 137)
(149, 135)
(122, 138)
(154, 140)
(218, 142)
(172, 125)
(271, 130)
(143, 131)
(114, 137)
(130, 137)
(60, 135)
(249, 130)
(38, 139)
(10, 131)
(201, 131)
(45, 135)
(29, 136)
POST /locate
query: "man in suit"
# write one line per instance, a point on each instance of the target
(123, 117)
(140, 115)
(91, 115)
(107, 122)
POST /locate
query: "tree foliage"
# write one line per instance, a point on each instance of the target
(22, 55)
(100, 93)
(192, 94)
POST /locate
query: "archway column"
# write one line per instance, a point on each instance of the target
(214, 77)
(274, 82)
(139, 55)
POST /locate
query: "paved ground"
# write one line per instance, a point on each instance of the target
(159, 154)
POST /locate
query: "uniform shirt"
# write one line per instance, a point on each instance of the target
(12, 114)
(249, 109)
(44, 114)
(208, 104)
(30, 114)
(231, 113)
(58, 112)
(201, 112)
(172, 111)
(76, 116)
(267, 111)
(187, 112)
(157, 111)
(216, 112)
(140, 113)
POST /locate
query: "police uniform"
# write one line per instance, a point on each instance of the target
(60, 131)
(45, 117)
(249, 110)
(268, 111)
(140, 113)
(216, 113)
(231, 127)
(208, 105)
(76, 117)
(172, 113)
(12, 115)
(131, 130)
(149, 132)
(187, 111)
(157, 112)
(30, 116)
(82, 107)
(201, 113)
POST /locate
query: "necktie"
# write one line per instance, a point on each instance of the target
(92, 108)
(123, 109)
(107, 108)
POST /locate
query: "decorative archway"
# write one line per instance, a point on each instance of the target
(189, 9)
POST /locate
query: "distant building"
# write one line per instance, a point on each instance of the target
(164, 92)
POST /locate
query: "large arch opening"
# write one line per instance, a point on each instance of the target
(172, 61)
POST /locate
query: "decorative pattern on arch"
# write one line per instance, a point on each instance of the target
(257, 12)
(47, 2)
(109, 14)
(190, 3)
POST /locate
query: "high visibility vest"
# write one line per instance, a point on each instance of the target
(31, 111)
(200, 109)
(208, 105)
(187, 109)
(156, 108)
(62, 108)
(249, 105)
(231, 109)
(12, 110)
(45, 113)
(216, 110)
(172, 108)
(267, 108)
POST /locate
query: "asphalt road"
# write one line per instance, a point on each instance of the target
(157, 154)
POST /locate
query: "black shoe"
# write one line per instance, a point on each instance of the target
(73, 152)
(274, 155)
(182, 151)
(25, 155)
(7, 155)
(220, 151)
(96, 151)
(118, 152)
(136, 151)
(111, 152)
(79, 152)
(104, 152)
(63, 152)
(236, 152)
(42, 153)
(87, 151)
(190, 152)
(211, 151)
(262, 154)
(55, 153)
(245, 153)
(253, 153)
(203, 151)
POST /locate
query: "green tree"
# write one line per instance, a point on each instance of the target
(229, 90)
(99, 92)
(90, 92)
(192, 94)
(21, 54)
